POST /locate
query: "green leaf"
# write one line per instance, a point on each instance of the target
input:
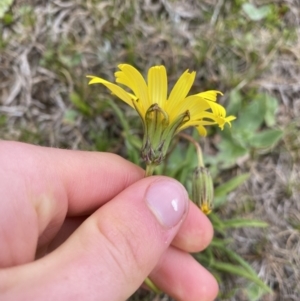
(217, 223)
(135, 141)
(133, 154)
(235, 102)
(8, 18)
(251, 117)
(254, 292)
(121, 116)
(4, 7)
(70, 60)
(132, 143)
(238, 259)
(3, 120)
(230, 185)
(272, 107)
(266, 138)
(219, 201)
(239, 223)
(221, 243)
(230, 150)
(256, 13)
(239, 271)
(79, 103)
(70, 116)
(222, 190)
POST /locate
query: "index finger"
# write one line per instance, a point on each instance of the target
(87, 179)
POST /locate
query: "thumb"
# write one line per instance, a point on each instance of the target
(109, 256)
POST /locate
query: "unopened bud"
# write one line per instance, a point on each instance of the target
(159, 131)
(203, 189)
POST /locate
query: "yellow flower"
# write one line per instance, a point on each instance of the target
(164, 116)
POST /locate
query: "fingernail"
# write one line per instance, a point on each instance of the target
(168, 201)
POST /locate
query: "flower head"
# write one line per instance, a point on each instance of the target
(165, 115)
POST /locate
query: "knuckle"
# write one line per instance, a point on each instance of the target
(123, 252)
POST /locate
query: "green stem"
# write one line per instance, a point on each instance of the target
(152, 286)
(197, 146)
(149, 170)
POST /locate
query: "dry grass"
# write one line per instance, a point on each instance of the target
(51, 45)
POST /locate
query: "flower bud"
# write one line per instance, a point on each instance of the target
(203, 189)
(158, 133)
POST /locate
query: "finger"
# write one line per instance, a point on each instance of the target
(89, 179)
(69, 226)
(112, 252)
(194, 235)
(196, 231)
(183, 278)
(39, 186)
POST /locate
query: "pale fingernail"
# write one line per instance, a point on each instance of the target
(168, 201)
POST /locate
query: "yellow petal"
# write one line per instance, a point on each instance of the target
(208, 115)
(198, 122)
(180, 91)
(118, 91)
(132, 78)
(229, 119)
(220, 120)
(157, 85)
(122, 78)
(217, 109)
(210, 95)
(195, 123)
(201, 130)
(196, 105)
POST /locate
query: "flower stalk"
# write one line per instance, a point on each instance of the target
(202, 183)
(149, 170)
(152, 286)
(197, 146)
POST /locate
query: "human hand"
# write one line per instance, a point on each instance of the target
(98, 227)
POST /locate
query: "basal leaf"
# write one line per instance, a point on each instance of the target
(235, 102)
(239, 223)
(266, 138)
(4, 6)
(254, 292)
(256, 13)
(230, 185)
(79, 103)
(239, 271)
(271, 108)
(251, 117)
